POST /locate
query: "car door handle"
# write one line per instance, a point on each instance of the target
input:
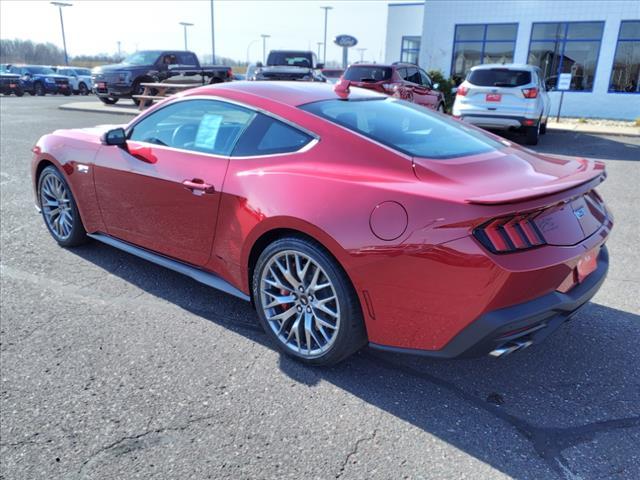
(198, 186)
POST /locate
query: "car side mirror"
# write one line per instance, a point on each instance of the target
(259, 64)
(117, 137)
(319, 66)
(436, 86)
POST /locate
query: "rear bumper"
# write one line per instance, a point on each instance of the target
(498, 121)
(530, 321)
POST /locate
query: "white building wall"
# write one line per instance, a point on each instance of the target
(440, 19)
(403, 19)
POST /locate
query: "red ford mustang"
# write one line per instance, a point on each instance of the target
(346, 217)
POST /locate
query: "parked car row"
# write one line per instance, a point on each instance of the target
(40, 80)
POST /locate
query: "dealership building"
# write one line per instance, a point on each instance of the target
(598, 42)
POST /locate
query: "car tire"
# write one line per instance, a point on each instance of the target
(38, 89)
(82, 89)
(533, 134)
(543, 128)
(67, 93)
(59, 209)
(109, 100)
(317, 326)
(19, 92)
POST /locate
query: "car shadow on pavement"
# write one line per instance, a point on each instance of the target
(561, 142)
(544, 403)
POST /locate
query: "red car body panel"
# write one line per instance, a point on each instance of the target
(417, 291)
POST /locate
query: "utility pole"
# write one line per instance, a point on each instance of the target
(326, 12)
(213, 38)
(64, 40)
(185, 25)
(264, 46)
(119, 54)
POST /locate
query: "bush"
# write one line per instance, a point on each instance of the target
(445, 86)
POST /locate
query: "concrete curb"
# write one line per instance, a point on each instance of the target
(594, 129)
(99, 107)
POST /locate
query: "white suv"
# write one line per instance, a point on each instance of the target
(506, 97)
(79, 78)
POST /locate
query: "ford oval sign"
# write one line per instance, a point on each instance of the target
(345, 41)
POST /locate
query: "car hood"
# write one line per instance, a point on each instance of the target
(9, 75)
(505, 176)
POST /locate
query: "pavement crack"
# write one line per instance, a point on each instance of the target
(354, 451)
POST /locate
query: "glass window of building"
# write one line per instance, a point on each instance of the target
(477, 44)
(625, 72)
(410, 50)
(566, 47)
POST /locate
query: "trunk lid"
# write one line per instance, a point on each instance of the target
(505, 176)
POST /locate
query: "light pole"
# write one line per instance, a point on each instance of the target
(64, 41)
(251, 43)
(185, 25)
(326, 12)
(361, 50)
(119, 54)
(319, 45)
(264, 46)
(213, 38)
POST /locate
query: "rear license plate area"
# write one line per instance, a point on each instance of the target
(493, 97)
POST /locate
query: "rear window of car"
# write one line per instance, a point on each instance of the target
(367, 74)
(499, 77)
(405, 127)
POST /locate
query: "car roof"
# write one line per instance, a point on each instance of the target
(288, 93)
(514, 66)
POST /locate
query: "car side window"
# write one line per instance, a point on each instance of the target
(413, 75)
(207, 126)
(425, 80)
(187, 59)
(268, 136)
(403, 73)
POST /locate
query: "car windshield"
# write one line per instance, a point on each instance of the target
(141, 58)
(40, 70)
(367, 74)
(294, 59)
(499, 77)
(83, 71)
(406, 127)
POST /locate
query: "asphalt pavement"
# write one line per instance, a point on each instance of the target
(112, 367)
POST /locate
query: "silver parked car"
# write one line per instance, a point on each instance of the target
(79, 78)
(507, 97)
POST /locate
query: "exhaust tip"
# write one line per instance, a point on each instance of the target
(509, 347)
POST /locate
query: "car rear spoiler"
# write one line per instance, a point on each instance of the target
(593, 178)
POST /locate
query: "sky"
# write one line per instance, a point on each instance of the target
(93, 26)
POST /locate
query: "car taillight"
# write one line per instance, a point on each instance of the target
(510, 234)
(462, 91)
(390, 87)
(530, 92)
(229, 73)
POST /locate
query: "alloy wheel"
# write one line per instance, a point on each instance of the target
(55, 200)
(300, 303)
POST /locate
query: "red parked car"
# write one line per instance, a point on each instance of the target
(402, 80)
(346, 217)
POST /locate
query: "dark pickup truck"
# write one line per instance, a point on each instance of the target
(290, 65)
(113, 82)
